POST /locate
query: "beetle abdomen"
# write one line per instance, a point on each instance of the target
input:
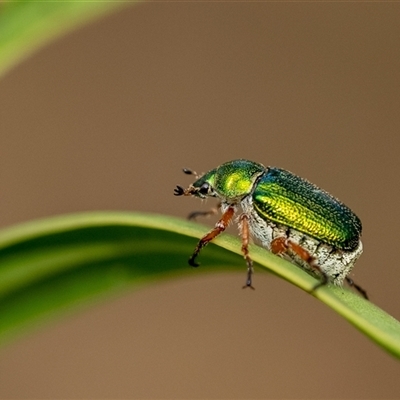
(287, 199)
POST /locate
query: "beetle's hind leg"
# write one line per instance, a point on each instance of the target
(357, 287)
(281, 245)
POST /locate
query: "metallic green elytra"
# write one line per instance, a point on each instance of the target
(289, 216)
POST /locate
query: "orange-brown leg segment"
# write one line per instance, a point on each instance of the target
(282, 245)
(220, 226)
(244, 228)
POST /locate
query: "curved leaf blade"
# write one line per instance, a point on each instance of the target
(26, 26)
(51, 266)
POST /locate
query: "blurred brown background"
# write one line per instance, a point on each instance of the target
(106, 117)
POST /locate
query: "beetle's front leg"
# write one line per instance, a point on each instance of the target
(245, 233)
(281, 245)
(220, 226)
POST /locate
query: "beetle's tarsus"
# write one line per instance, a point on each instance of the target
(357, 287)
(249, 282)
(192, 261)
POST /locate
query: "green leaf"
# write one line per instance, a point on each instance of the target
(26, 26)
(48, 267)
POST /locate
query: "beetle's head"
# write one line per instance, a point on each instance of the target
(203, 187)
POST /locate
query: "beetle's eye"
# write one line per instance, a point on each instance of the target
(204, 188)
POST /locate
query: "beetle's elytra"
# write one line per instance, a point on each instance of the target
(290, 216)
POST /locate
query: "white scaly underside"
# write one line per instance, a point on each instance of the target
(335, 263)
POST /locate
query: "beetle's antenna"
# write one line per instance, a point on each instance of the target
(179, 191)
(188, 171)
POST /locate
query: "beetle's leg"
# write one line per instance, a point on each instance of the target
(245, 233)
(220, 226)
(193, 215)
(281, 245)
(358, 288)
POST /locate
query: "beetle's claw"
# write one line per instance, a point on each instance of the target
(192, 262)
(248, 284)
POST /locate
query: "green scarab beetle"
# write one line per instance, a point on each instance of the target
(290, 216)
